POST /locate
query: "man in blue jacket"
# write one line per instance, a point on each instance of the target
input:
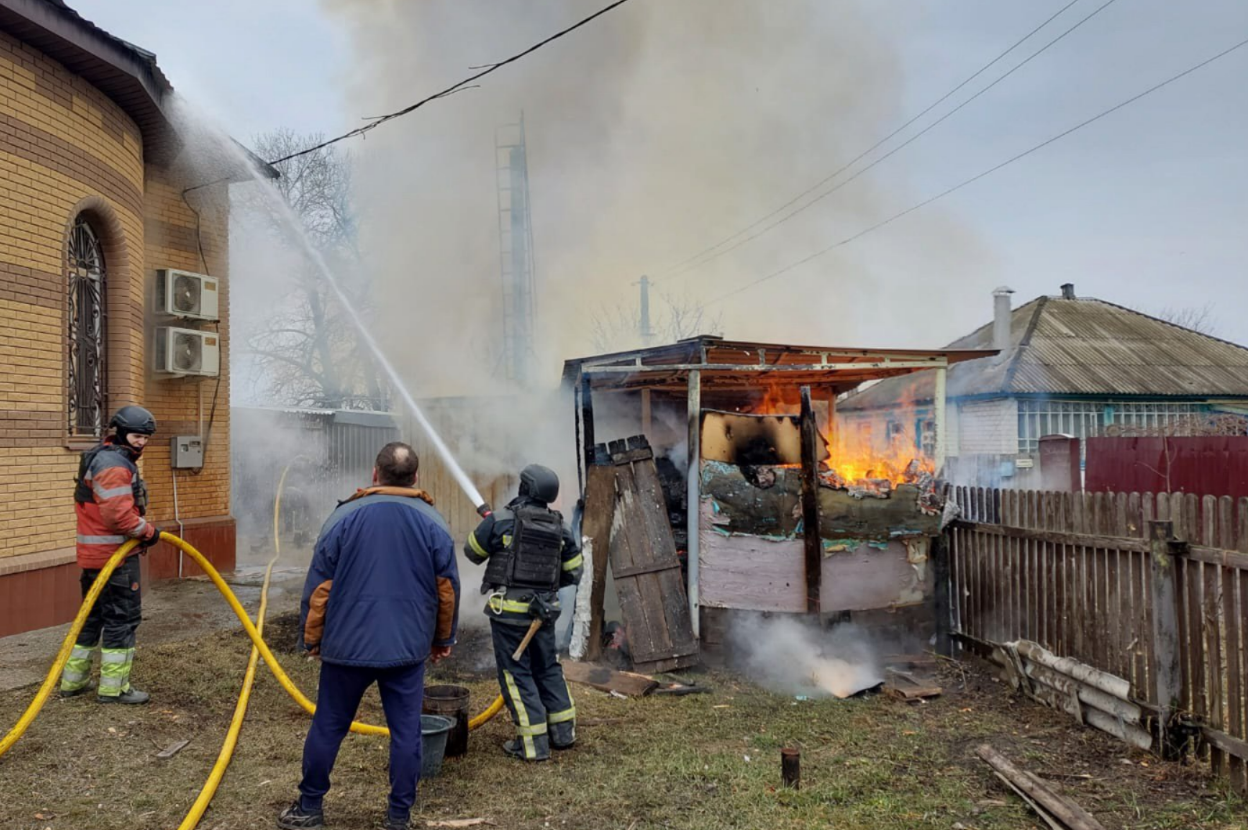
(381, 596)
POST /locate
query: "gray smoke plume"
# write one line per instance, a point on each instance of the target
(787, 656)
(652, 133)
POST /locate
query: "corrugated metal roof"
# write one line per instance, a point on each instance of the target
(1082, 346)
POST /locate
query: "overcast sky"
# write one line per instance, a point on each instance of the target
(1147, 208)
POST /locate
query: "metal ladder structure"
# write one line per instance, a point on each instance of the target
(515, 234)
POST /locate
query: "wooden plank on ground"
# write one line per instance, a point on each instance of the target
(608, 680)
(1057, 810)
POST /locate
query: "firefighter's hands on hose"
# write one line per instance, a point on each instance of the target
(151, 540)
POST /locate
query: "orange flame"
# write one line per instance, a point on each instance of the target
(867, 449)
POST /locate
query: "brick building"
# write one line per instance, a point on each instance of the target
(1067, 365)
(93, 174)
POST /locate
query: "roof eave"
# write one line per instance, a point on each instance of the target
(134, 83)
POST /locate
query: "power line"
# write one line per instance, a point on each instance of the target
(979, 176)
(450, 90)
(692, 264)
(378, 121)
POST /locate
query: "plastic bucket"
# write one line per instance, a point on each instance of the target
(433, 732)
(450, 702)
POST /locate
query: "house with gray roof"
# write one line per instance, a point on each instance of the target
(1066, 365)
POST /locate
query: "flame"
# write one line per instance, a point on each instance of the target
(863, 450)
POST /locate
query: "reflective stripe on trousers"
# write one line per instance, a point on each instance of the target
(77, 669)
(524, 729)
(115, 666)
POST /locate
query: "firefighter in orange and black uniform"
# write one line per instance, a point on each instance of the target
(111, 500)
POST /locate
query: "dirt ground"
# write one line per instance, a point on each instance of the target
(702, 761)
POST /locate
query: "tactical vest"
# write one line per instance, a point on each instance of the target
(533, 559)
(82, 490)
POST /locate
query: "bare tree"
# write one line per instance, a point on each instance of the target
(304, 350)
(616, 328)
(1199, 319)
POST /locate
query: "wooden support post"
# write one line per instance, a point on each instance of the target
(938, 419)
(645, 414)
(1168, 681)
(587, 420)
(599, 516)
(944, 595)
(693, 500)
(810, 503)
(791, 768)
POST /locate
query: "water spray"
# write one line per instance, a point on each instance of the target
(444, 452)
(296, 226)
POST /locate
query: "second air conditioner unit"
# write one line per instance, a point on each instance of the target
(187, 295)
(187, 352)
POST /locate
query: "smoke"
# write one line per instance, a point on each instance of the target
(790, 657)
(652, 133)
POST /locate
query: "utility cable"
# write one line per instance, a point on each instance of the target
(979, 176)
(450, 90)
(693, 264)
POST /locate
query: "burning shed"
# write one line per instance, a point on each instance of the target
(768, 504)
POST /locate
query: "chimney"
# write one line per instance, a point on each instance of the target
(1068, 291)
(1001, 315)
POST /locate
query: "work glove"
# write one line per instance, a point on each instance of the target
(151, 539)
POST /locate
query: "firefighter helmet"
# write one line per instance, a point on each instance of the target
(539, 483)
(133, 419)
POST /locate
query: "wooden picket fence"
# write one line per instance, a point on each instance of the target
(1072, 571)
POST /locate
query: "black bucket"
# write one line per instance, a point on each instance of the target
(450, 702)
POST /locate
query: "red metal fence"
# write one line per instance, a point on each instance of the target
(1214, 465)
(1074, 572)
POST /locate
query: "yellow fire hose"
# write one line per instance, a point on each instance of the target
(209, 790)
(41, 697)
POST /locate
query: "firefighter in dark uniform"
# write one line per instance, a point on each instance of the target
(530, 555)
(111, 504)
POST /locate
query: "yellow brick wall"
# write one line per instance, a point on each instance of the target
(181, 405)
(65, 147)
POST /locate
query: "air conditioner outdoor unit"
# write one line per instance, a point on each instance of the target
(187, 295)
(187, 352)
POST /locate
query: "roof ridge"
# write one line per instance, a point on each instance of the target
(1041, 303)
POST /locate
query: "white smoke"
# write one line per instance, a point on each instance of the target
(790, 657)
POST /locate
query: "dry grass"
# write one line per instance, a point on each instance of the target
(704, 761)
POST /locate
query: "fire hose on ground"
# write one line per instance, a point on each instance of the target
(259, 647)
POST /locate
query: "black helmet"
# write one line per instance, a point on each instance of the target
(539, 483)
(133, 419)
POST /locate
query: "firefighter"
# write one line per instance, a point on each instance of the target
(530, 555)
(110, 500)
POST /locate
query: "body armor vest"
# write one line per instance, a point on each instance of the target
(533, 559)
(82, 492)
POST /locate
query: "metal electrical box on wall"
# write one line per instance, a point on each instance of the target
(187, 452)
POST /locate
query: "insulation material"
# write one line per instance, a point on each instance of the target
(751, 439)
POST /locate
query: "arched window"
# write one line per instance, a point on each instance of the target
(87, 338)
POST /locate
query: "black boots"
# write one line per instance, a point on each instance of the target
(536, 748)
(295, 817)
(562, 735)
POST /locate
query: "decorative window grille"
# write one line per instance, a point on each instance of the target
(87, 331)
(1091, 419)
